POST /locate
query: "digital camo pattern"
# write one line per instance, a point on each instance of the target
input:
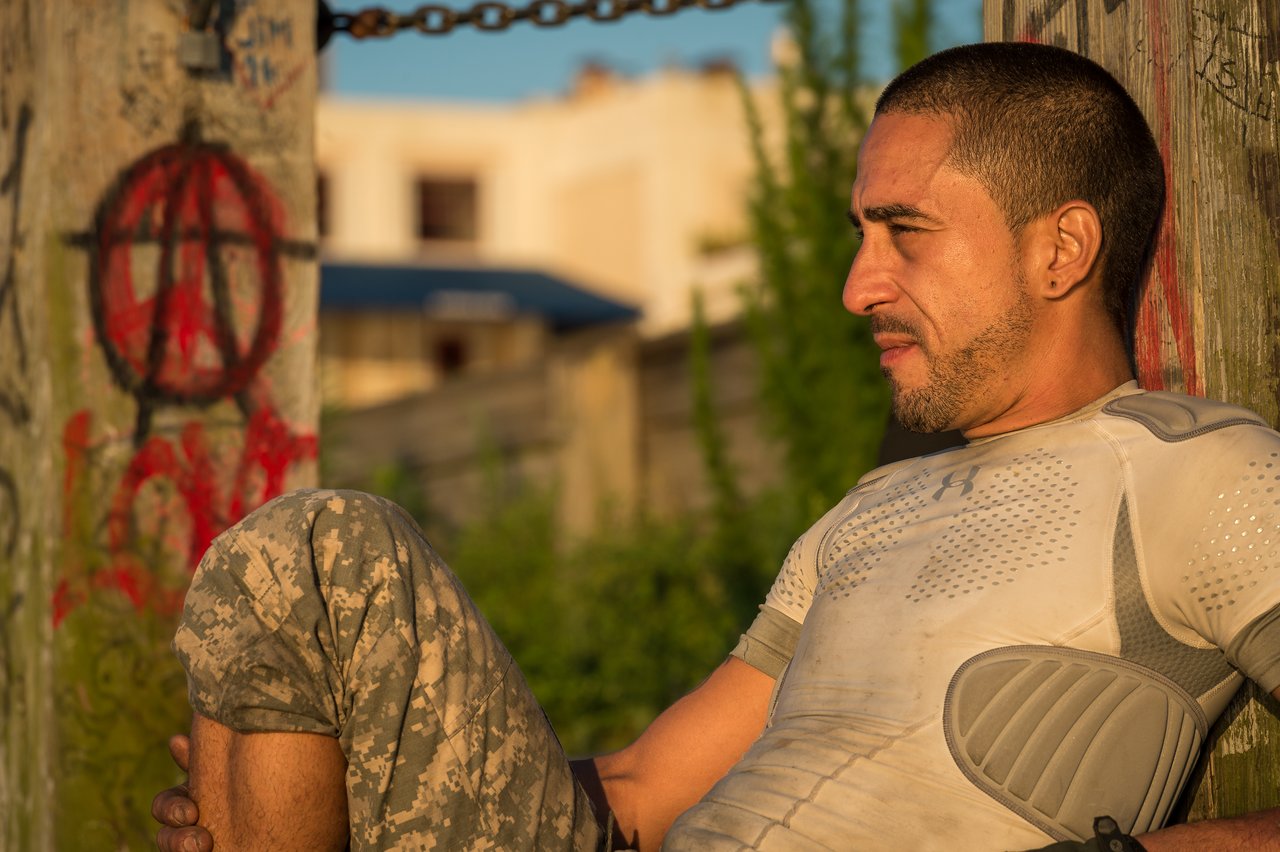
(328, 612)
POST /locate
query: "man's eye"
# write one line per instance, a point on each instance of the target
(896, 229)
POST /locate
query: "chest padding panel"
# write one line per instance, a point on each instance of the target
(1060, 736)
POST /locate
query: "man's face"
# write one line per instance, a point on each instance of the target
(940, 275)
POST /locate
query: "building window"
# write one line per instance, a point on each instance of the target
(451, 356)
(446, 209)
(322, 205)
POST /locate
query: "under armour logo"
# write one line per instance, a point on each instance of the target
(949, 481)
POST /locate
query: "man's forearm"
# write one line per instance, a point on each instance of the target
(677, 759)
(587, 771)
(1255, 832)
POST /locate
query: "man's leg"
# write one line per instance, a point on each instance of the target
(327, 613)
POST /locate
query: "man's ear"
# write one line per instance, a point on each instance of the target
(1070, 241)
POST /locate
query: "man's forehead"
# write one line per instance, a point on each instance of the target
(900, 159)
(915, 127)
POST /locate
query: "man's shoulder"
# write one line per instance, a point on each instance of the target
(1175, 417)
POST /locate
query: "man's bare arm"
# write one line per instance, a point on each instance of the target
(1255, 832)
(263, 785)
(278, 791)
(678, 758)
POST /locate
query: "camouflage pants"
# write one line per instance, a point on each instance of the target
(328, 612)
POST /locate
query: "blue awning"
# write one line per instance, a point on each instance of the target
(467, 292)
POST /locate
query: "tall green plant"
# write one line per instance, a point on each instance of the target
(742, 542)
(610, 628)
(820, 385)
(912, 21)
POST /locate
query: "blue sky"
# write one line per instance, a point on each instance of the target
(527, 61)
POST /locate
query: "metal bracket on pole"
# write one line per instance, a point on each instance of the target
(199, 48)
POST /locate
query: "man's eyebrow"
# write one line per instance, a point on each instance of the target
(888, 212)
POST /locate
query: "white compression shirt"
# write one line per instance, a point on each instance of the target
(1144, 527)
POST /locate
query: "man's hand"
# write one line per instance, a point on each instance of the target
(176, 812)
(1107, 837)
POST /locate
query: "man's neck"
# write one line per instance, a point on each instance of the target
(1065, 410)
(1063, 377)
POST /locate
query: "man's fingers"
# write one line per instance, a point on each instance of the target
(173, 807)
(184, 840)
(180, 748)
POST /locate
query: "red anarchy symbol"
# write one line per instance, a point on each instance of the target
(174, 338)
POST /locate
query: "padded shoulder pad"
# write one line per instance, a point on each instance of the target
(1177, 417)
(1060, 736)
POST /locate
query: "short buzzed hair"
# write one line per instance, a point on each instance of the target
(1038, 126)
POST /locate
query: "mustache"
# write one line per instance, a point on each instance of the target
(883, 324)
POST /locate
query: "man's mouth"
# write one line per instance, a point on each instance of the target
(895, 346)
(897, 339)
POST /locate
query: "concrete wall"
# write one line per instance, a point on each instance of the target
(367, 357)
(674, 473)
(607, 418)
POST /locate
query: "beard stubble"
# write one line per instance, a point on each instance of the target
(956, 378)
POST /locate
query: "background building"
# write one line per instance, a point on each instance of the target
(634, 188)
(520, 278)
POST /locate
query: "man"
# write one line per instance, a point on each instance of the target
(984, 648)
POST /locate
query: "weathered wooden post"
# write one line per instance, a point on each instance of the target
(1205, 74)
(157, 323)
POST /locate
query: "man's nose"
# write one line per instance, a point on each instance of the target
(869, 282)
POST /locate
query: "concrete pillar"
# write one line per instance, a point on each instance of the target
(594, 386)
(157, 325)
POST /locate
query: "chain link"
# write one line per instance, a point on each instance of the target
(493, 16)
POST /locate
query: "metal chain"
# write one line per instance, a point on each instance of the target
(491, 16)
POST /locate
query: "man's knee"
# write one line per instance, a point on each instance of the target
(303, 512)
(307, 602)
(341, 539)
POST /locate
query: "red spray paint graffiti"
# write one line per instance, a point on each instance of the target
(1166, 254)
(186, 293)
(190, 470)
(200, 206)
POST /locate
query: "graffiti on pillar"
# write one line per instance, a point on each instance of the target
(1238, 64)
(1051, 17)
(13, 345)
(8, 514)
(266, 63)
(175, 330)
(190, 505)
(186, 290)
(1165, 260)
(143, 71)
(14, 405)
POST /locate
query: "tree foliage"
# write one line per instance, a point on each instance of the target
(610, 629)
(820, 386)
